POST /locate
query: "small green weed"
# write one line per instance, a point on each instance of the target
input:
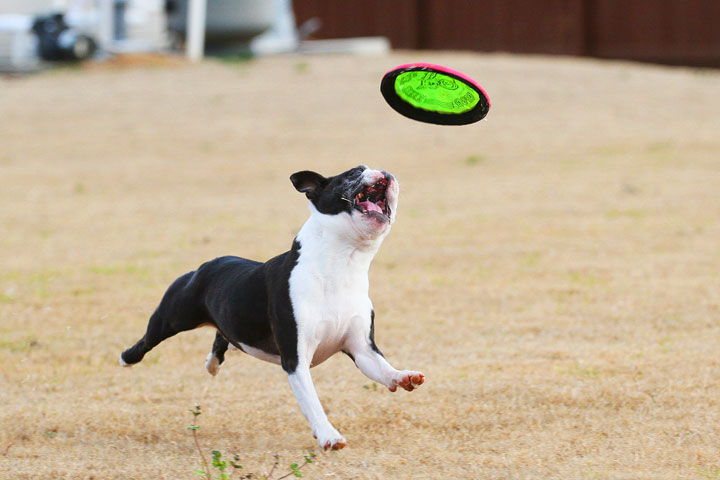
(220, 466)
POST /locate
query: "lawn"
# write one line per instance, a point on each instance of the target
(554, 270)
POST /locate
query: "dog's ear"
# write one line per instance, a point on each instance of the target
(309, 183)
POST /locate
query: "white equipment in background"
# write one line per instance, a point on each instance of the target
(283, 37)
(18, 44)
(124, 26)
(116, 25)
(230, 25)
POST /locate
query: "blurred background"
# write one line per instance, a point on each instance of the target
(662, 31)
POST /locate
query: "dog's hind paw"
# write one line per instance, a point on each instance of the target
(212, 364)
(407, 380)
(123, 363)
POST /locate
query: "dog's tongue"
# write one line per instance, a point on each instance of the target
(370, 207)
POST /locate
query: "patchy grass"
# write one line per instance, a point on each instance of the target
(120, 269)
(20, 345)
(557, 286)
(472, 160)
(301, 67)
(581, 370)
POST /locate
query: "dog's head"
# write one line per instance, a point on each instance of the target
(362, 200)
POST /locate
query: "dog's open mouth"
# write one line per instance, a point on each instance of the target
(373, 198)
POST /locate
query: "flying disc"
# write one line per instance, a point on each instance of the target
(434, 94)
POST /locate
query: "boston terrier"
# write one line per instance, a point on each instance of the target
(303, 306)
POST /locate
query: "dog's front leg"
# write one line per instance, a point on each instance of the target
(372, 363)
(304, 390)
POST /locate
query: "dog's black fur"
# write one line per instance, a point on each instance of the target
(232, 293)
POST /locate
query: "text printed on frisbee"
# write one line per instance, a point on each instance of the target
(435, 92)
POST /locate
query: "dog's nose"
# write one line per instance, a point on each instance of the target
(374, 176)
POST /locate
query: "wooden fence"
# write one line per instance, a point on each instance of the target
(685, 32)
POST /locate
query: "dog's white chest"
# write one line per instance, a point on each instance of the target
(329, 294)
(329, 307)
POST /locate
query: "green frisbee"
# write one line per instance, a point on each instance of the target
(434, 94)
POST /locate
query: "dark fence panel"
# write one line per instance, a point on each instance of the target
(548, 26)
(395, 19)
(664, 31)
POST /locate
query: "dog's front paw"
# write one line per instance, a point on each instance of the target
(330, 439)
(407, 380)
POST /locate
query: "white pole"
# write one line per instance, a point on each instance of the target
(106, 24)
(195, 46)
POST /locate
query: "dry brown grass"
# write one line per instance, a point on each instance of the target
(554, 271)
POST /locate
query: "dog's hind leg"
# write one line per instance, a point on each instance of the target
(156, 332)
(134, 354)
(217, 356)
(178, 311)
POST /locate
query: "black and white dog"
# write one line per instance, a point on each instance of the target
(302, 306)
